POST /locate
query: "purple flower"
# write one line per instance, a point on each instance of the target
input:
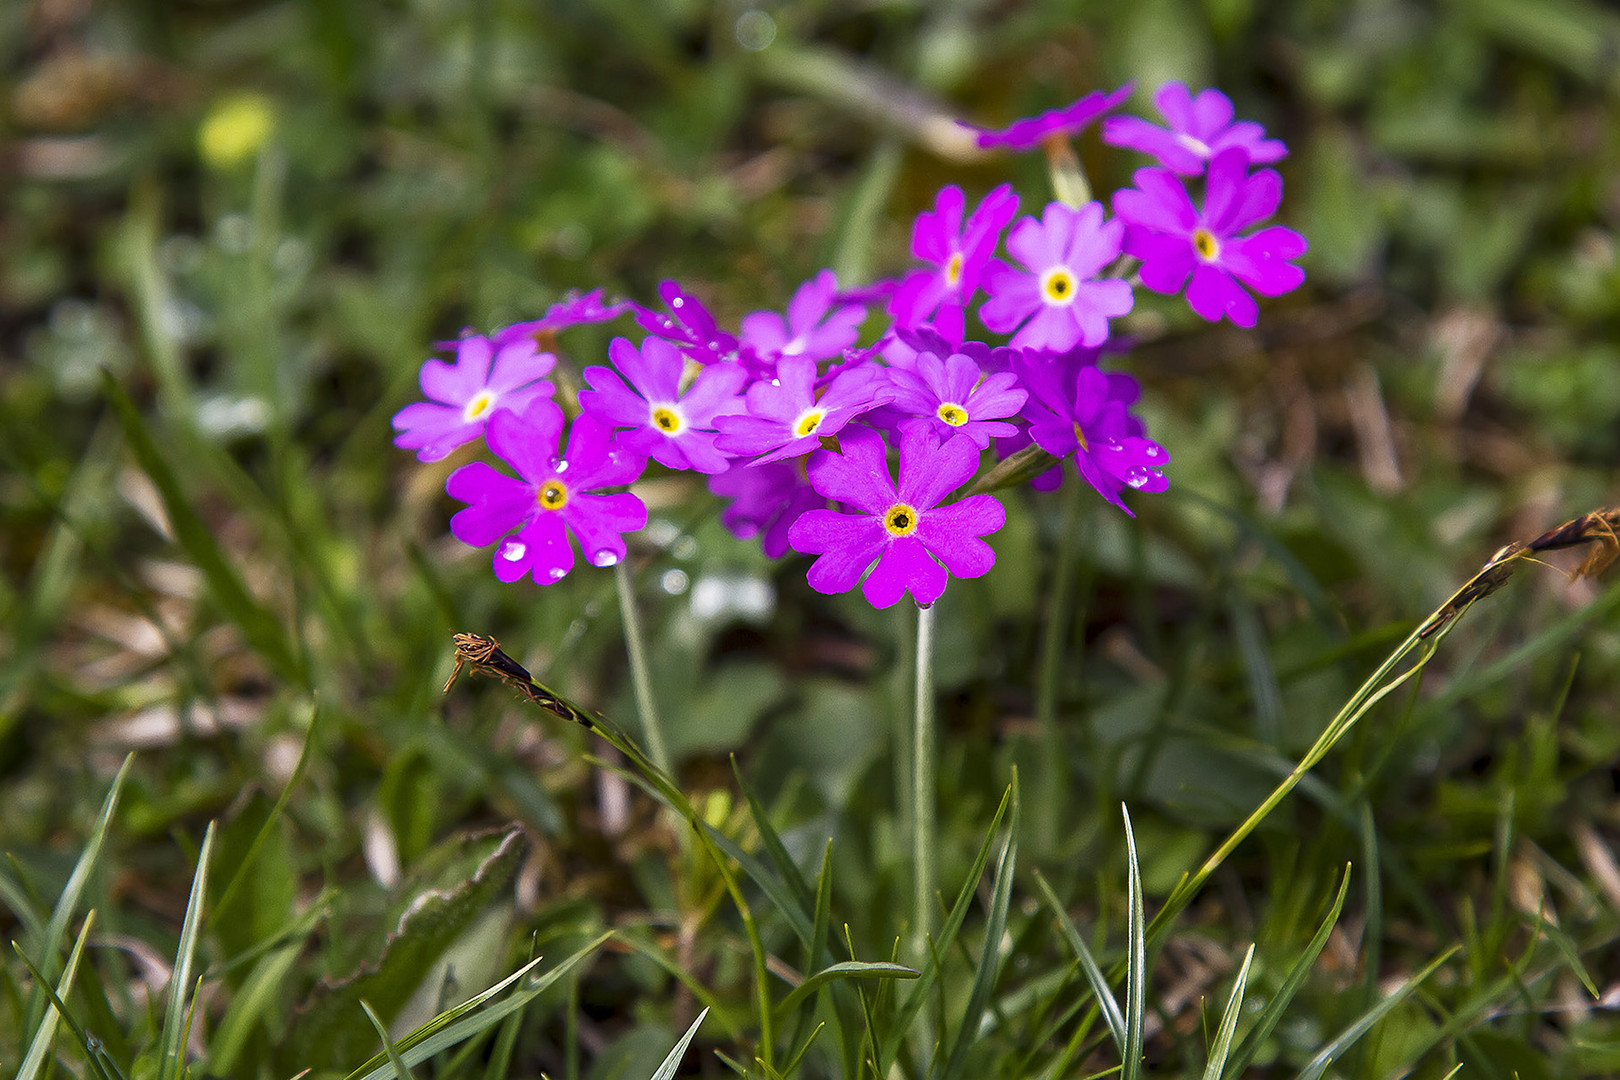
(1054, 123)
(809, 330)
(535, 514)
(913, 539)
(786, 419)
(1075, 408)
(673, 428)
(954, 396)
(766, 501)
(575, 309)
(1173, 239)
(689, 325)
(1060, 253)
(959, 253)
(1200, 128)
(487, 376)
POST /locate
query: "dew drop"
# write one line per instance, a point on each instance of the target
(1153, 451)
(556, 573)
(1138, 478)
(604, 558)
(514, 550)
(1112, 444)
(562, 467)
(678, 302)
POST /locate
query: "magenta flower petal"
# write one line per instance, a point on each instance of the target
(1053, 303)
(484, 379)
(847, 545)
(905, 566)
(1073, 118)
(1200, 128)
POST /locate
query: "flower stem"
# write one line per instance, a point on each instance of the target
(652, 728)
(1053, 763)
(924, 777)
(1069, 182)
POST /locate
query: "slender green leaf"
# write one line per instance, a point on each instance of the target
(395, 1062)
(258, 996)
(947, 935)
(988, 970)
(774, 848)
(469, 1019)
(673, 1061)
(1216, 1067)
(175, 1016)
(39, 1047)
(1136, 965)
(261, 628)
(1088, 964)
(848, 969)
(1336, 1046)
(1257, 1035)
(82, 869)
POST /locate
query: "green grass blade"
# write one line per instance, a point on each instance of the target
(775, 850)
(258, 996)
(947, 935)
(401, 1070)
(848, 969)
(673, 1061)
(244, 869)
(262, 629)
(455, 1026)
(790, 1066)
(1251, 1043)
(39, 1048)
(1216, 1067)
(1136, 964)
(988, 971)
(1330, 1053)
(172, 1047)
(1106, 1004)
(82, 869)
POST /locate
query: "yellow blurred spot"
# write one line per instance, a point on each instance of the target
(235, 128)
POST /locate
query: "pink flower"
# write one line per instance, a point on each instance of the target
(785, 418)
(575, 309)
(818, 325)
(1200, 128)
(765, 501)
(674, 428)
(1077, 410)
(1174, 239)
(553, 498)
(1073, 118)
(959, 253)
(487, 376)
(1053, 303)
(952, 395)
(916, 543)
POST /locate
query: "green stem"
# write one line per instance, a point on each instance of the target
(652, 728)
(1069, 182)
(1054, 637)
(924, 777)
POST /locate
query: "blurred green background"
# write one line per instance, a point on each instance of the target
(257, 218)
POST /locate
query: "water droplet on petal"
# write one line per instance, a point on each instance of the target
(678, 302)
(1138, 478)
(604, 558)
(1153, 451)
(514, 550)
(562, 467)
(556, 573)
(1112, 444)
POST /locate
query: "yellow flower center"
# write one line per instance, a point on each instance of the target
(553, 495)
(953, 269)
(1057, 285)
(953, 415)
(1209, 248)
(900, 519)
(807, 423)
(482, 402)
(666, 419)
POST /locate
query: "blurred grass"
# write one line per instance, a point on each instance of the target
(257, 217)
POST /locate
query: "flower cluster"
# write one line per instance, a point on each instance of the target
(795, 427)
